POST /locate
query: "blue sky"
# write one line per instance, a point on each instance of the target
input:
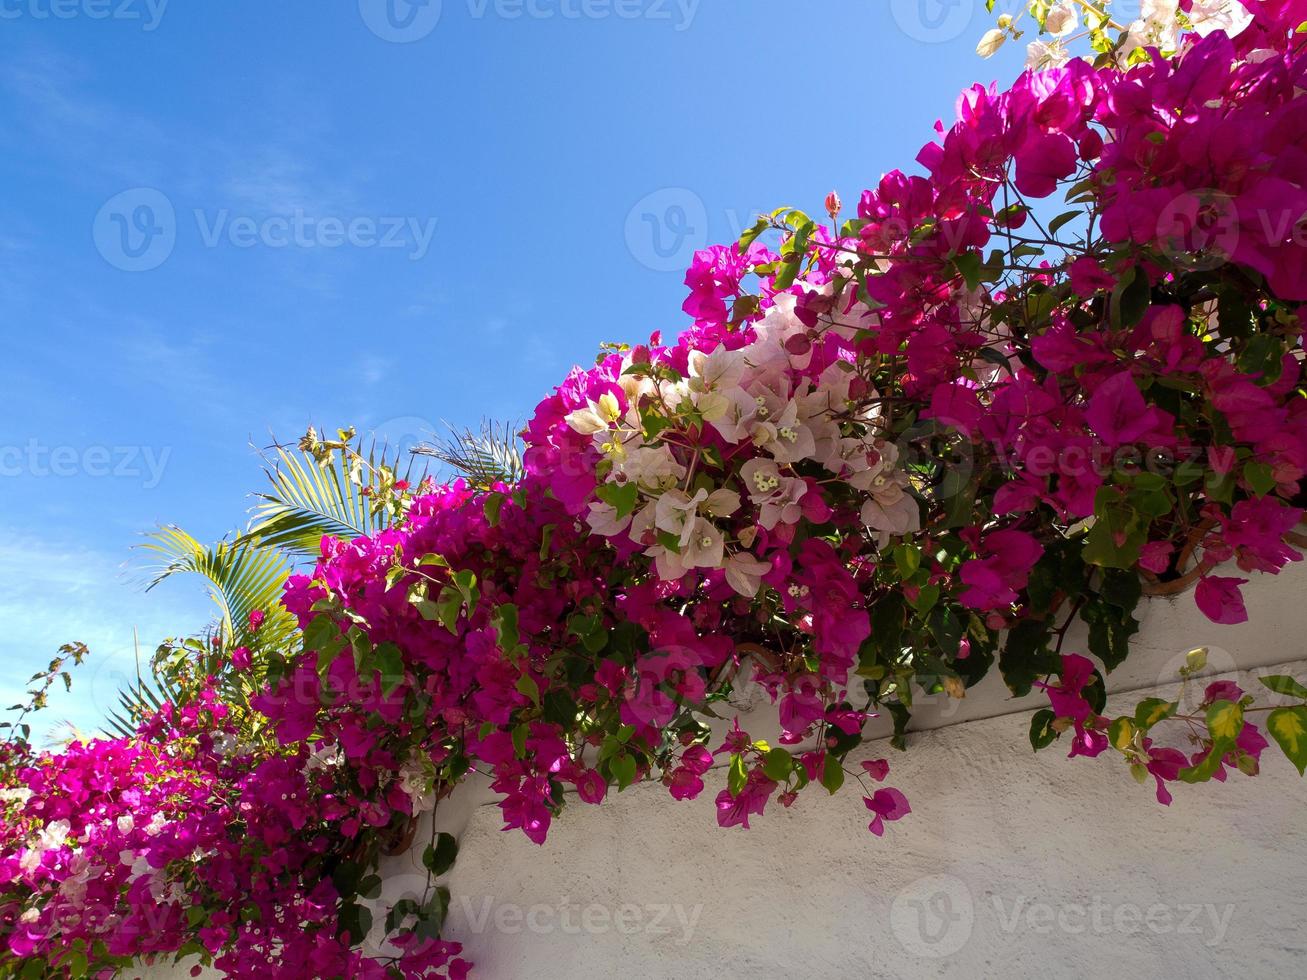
(222, 222)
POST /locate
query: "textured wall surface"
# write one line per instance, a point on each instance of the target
(1011, 865)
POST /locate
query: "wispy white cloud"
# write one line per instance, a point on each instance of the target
(57, 592)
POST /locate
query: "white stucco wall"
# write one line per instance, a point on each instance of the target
(1012, 864)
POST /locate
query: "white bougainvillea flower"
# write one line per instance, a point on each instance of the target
(1062, 19)
(739, 415)
(1158, 26)
(903, 516)
(990, 42)
(651, 467)
(706, 546)
(1230, 16)
(717, 370)
(777, 496)
(596, 416)
(675, 512)
(721, 503)
(744, 573)
(790, 439)
(887, 487)
(602, 519)
(768, 354)
(1046, 54)
(880, 457)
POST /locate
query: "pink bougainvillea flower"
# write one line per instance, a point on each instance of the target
(992, 581)
(1155, 556)
(877, 769)
(1220, 600)
(1088, 277)
(591, 787)
(1118, 414)
(734, 810)
(1164, 764)
(885, 804)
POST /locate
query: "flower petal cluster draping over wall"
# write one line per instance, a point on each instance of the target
(888, 454)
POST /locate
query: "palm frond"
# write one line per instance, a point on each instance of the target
(492, 455)
(317, 492)
(241, 577)
(139, 700)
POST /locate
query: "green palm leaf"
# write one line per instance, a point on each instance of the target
(492, 455)
(241, 576)
(317, 491)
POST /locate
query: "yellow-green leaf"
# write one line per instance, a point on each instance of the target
(1288, 727)
(1225, 721)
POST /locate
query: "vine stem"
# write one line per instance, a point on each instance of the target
(1098, 12)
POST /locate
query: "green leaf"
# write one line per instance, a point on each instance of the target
(1260, 477)
(622, 497)
(356, 922)
(737, 776)
(309, 499)
(1057, 223)
(1224, 721)
(1283, 684)
(241, 576)
(439, 857)
(1120, 733)
(1205, 769)
(787, 272)
(1130, 298)
(449, 607)
(527, 686)
(390, 664)
(623, 768)
(1026, 656)
(778, 765)
(1110, 630)
(968, 265)
(1263, 354)
(1288, 726)
(908, 559)
(1042, 734)
(832, 774)
(1152, 710)
(429, 610)
(504, 621)
(370, 887)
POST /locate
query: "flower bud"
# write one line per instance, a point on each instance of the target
(990, 42)
(833, 205)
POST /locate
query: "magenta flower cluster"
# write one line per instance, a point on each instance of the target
(890, 453)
